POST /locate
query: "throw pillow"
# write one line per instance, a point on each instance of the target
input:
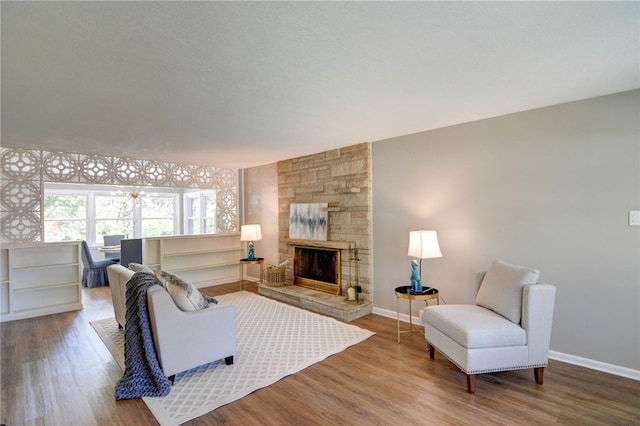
(501, 289)
(184, 294)
(137, 267)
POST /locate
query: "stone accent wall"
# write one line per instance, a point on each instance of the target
(342, 178)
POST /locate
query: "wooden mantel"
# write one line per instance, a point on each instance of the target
(339, 245)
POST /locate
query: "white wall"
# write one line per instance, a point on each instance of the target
(549, 188)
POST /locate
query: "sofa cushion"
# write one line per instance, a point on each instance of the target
(137, 267)
(474, 327)
(185, 295)
(501, 289)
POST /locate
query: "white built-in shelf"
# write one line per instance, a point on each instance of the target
(39, 279)
(204, 260)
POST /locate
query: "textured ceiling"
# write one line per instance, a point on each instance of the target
(239, 84)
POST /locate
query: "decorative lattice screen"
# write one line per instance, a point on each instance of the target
(23, 173)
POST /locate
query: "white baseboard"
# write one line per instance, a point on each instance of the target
(596, 365)
(252, 279)
(558, 356)
(392, 314)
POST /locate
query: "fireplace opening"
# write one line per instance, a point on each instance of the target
(317, 268)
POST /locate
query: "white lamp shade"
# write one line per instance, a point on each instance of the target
(424, 244)
(250, 233)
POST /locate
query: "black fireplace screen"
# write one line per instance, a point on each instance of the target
(316, 264)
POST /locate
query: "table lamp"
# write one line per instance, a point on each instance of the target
(250, 233)
(422, 245)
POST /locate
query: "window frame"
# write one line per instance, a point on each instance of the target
(66, 192)
(177, 216)
(202, 217)
(90, 191)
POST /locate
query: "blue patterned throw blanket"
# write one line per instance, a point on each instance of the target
(143, 375)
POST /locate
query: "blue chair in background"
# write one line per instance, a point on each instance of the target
(112, 241)
(94, 274)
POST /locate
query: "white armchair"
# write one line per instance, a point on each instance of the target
(509, 327)
(185, 340)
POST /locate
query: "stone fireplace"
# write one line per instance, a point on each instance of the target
(342, 179)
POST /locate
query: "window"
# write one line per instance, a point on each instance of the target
(65, 217)
(113, 216)
(90, 214)
(192, 213)
(200, 212)
(158, 216)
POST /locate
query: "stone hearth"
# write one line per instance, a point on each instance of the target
(317, 301)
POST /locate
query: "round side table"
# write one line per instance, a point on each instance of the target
(404, 292)
(256, 261)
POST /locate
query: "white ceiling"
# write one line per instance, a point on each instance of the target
(239, 84)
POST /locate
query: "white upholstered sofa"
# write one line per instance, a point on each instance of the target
(183, 340)
(508, 328)
(118, 277)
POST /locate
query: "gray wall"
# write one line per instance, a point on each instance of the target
(549, 188)
(261, 206)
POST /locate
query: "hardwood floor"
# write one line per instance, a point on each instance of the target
(56, 371)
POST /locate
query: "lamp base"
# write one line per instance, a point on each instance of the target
(251, 255)
(416, 272)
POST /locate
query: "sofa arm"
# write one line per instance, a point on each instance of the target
(118, 276)
(184, 340)
(537, 319)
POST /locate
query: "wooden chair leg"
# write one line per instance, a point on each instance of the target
(432, 352)
(471, 383)
(538, 373)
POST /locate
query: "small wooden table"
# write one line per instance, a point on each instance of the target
(404, 292)
(256, 261)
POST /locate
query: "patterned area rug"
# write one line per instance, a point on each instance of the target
(274, 340)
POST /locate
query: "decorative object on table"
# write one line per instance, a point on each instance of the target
(422, 245)
(251, 233)
(309, 221)
(416, 281)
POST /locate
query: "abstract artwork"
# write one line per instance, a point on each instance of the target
(308, 221)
